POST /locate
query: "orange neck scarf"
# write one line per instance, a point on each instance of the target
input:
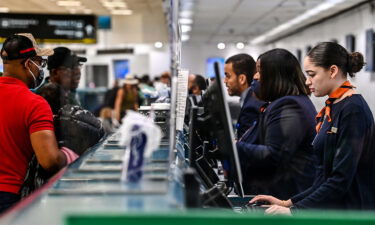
(326, 111)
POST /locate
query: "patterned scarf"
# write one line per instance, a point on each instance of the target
(326, 111)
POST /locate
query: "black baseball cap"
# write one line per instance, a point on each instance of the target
(22, 46)
(62, 57)
(78, 60)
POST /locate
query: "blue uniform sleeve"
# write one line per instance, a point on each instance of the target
(347, 151)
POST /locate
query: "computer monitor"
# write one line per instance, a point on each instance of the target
(212, 129)
(217, 106)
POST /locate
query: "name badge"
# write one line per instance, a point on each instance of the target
(334, 130)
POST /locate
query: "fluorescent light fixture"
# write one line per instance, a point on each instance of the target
(185, 37)
(114, 4)
(185, 21)
(240, 45)
(121, 12)
(72, 11)
(186, 14)
(69, 3)
(87, 11)
(293, 24)
(4, 9)
(158, 44)
(185, 28)
(221, 46)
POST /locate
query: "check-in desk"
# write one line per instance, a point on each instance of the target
(91, 192)
(93, 184)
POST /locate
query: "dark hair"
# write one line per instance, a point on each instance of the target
(281, 75)
(200, 82)
(326, 54)
(243, 64)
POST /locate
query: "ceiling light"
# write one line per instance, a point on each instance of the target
(121, 12)
(158, 44)
(185, 37)
(69, 3)
(186, 13)
(186, 21)
(114, 4)
(87, 11)
(221, 46)
(240, 45)
(4, 9)
(185, 28)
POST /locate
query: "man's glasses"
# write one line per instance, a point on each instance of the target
(42, 62)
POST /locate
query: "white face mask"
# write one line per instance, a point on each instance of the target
(39, 80)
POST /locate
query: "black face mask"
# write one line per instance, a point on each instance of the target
(255, 86)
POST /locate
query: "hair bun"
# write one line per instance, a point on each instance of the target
(356, 63)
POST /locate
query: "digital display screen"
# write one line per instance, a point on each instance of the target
(210, 72)
(104, 22)
(121, 68)
(50, 28)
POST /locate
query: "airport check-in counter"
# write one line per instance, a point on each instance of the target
(93, 184)
(90, 191)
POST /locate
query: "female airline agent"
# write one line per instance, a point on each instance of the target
(276, 154)
(346, 166)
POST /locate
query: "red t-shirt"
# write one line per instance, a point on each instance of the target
(21, 114)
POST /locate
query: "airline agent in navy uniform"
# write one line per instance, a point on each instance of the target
(239, 72)
(281, 161)
(344, 145)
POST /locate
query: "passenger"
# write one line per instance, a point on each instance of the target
(165, 78)
(75, 78)
(25, 118)
(239, 72)
(196, 86)
(344, 143)
(60, 66)
(127, 97)
(280, 161)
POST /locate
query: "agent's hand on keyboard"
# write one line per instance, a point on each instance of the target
(271, 200)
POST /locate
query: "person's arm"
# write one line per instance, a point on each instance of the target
(318, 180)
(284, 132)
(46, 150)
(118, 103)
(346, 155)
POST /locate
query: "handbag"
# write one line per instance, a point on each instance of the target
(35, 178)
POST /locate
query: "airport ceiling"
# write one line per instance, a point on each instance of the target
(212, 21)
(241, 20)
(256, 21)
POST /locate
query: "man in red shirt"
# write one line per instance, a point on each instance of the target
(26, 123)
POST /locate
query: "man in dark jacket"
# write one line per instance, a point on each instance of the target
(239, 72)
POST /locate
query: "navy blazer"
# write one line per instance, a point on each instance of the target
(346, 160)
(249, 113)
(280, 161)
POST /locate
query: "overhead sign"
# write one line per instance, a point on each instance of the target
(50, 28)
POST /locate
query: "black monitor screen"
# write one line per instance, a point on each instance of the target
(221, 126)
